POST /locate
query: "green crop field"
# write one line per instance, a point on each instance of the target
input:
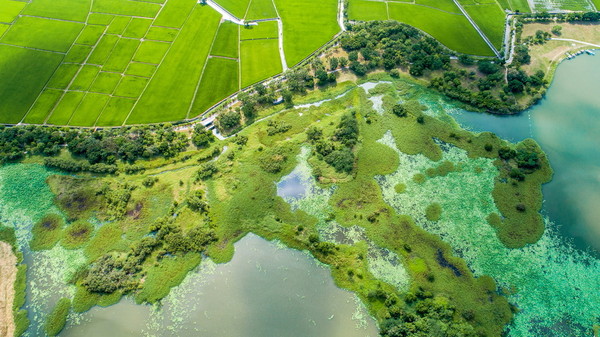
(264, 30)
(261, 9)
(260, 59)
(122, 62)
(219, 80)
(490, 18)
(307, 25)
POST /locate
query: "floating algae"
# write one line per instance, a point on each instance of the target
(555, 289)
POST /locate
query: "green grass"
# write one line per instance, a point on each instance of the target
(137, 28)
(115, 112)
(42, 33)
(179, 73)
(264, 30)
(103, 49)
(106, 239)
(364, 10)
(490, 18)
(174, 13)
(3, 28)
(260, 60)
(450, 29)
(235, 7)
(307, 25)
(261, 9)
(161, 34)
(77, 234)
(63, 76)
(90, 108)
(74, 10)
(78, 54)
(151, 52)
(57, 319)
(118, 25)
(24, 73)
(90, 34)
(131, 86)
(523, 5)
(126, 7)
(121, 55)
(85, 78)
(140, 69)
(65, 108)
(227, 40)
(9, 10)
(46, 232)
(219, 80)
(44, 104)
(105, 83)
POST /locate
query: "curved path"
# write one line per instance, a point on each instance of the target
(577, 41)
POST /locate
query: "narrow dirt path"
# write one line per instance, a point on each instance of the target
(8, 275)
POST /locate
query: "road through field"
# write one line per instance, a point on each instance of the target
(487, 41)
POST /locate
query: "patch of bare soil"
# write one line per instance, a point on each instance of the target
(8, 275)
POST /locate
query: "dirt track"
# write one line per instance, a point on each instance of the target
(8, 275)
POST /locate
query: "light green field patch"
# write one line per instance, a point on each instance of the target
(490, 18)
(88, 111)
(227, 40)
(90, 34)
(261, 9)
(450, 29)
(307, 25)
(78, 53)
(42, 106)
(105, 83)
(444, 5)
(264, 30)
(140, 69)
(235, 7)
(3, 28)
(137, 28)
(24, 73)
(131, 86)
(179, 72)
(103, 49)
(9, 10)
(161, 34)
(74, 10)
(174, 13)
(364, 10)
(523, 5)
(121, 55)
(86, 76)
(151, 52)
(220, 79)
(100, 19)
(115, 111)
(43, 33)
(63, 76)
(260, 60)
(118, 25)
(126, 7)
(65, 108)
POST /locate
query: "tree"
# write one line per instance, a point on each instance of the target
(557, 30)
(229, 120)
(341, 160)
(202, 137)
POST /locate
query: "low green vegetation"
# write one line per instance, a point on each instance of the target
(77, 234)
(47, 232)
(57, 319)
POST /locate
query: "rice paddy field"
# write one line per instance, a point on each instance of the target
(122, 62)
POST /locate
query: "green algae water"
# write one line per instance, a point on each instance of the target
(566, 124)
(266, 290)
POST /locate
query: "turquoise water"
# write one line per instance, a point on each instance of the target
(566, 124)
(266, 290)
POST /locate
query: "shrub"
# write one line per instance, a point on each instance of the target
(341, 160)
(206, 171)
(433, 212)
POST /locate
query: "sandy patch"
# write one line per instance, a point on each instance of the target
(8, 275)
